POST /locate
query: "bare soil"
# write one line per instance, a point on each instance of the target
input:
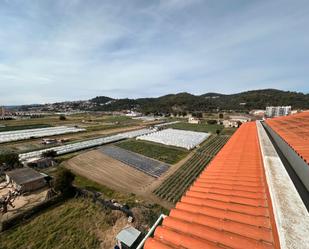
(22, 202)
(109, 172)
(118, 176)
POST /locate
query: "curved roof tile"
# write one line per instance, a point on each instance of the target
(228, 206)
(294, 130)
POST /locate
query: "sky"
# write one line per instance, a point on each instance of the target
(55, 50)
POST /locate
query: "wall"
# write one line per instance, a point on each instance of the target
(34, 185)
(299, 165)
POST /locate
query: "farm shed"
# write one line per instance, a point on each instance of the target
(41, 162)
(26, 179)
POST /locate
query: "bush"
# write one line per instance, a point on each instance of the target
(63, 182)
(11, 159)
(62, 117)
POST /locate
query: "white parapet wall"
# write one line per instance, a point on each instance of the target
(291, 215)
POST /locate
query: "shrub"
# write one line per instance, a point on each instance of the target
(11, 159)
(62, 117)
(63, 181)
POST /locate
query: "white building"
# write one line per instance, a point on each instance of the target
(230, 123)
(193, 120)
(242, 119)
(275, 111)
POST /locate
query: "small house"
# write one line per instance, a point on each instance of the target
(230, 123)
(193, 120)
(25, 179)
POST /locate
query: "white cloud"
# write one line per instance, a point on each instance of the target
(61, 50)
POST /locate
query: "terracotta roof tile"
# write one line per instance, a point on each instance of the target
(294, 129)
(228, 206)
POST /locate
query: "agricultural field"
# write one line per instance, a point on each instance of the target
(166, 154)
(228, 131)
(175, 185)
(178, 138)
(107, 171)
(23, 127)
(203, 127)
(90, 121)
(145, 164)
(36, 144)
(10, 136)
(76, 223)
(77, 220)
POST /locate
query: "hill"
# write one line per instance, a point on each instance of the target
(182, 102)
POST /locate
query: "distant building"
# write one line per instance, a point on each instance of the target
(258, 113)
(193, 120)
(25, 179)
(133, 114)
(276, 111)
(242, 119)
(230, 123)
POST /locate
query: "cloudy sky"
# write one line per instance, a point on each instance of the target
(53, 50)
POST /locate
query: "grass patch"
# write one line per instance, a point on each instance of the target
(108, 127)
(72, 224)
(160, 152)
(83, 182)
(203, 127)
(228, 131)
(23, 127)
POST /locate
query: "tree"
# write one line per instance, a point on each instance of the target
(10, 159)
(218, 131)
(63, 182)
(62, 117)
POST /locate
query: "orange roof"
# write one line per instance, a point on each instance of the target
(228, 206)
(294, 130)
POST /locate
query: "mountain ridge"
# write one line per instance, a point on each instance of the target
(187, 102)
(183, 101)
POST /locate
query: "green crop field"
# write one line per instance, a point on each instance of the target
(203, 127)
(160, 152)
(228, 131)
(175, 185)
